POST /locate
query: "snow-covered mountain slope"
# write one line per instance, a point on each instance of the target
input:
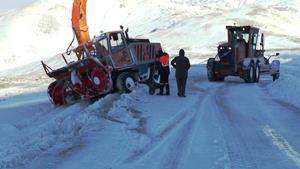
(43, 29)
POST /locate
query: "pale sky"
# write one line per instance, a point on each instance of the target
(11, 4)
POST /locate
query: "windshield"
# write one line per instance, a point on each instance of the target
(116, 42)
(240, 35)
(101, 46)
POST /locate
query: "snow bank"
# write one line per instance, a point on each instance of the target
(287, 87)
(50, 135)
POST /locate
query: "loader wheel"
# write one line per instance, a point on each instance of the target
(257, 73)
(249, 74)
(211, 70)
(126, 82)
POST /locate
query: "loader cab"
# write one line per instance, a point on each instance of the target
(244, 36)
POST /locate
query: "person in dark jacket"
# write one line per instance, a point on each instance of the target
(164, 72)
(182, 65)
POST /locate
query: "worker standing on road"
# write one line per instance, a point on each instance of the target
(182, 65)
(164, 72)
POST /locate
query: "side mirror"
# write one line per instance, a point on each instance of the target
(126, 34)
(277, 54)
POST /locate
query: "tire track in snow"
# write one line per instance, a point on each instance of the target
(178, 149)
(239, 152)
(155, 140)
(288, 106)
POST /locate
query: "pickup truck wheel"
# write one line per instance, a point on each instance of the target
(126, 82)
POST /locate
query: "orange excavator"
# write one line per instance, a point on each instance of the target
(110, 62)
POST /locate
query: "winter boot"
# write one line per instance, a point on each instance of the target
(167, 90)
(161, 90)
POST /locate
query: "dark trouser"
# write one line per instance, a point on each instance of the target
(181, 83)
(164, 82)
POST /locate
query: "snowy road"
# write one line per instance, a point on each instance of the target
(230, 125)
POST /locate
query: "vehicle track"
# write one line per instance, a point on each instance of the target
(182, 119)
(238, 149)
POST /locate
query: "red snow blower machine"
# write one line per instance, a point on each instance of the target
(111, 62)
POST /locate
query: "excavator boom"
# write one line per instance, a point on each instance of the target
(79, 21)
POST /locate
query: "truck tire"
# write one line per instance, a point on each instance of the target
(275, 76)
(126, 82)
(249, 74)
(220, 79)
(257, 73)
(211, 69)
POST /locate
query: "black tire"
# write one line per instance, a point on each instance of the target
(220, 79)
(151, 90)
(249, 74)
(211, 70)
(153, 81)
(257, 73)
(275, 76)
(126, 82)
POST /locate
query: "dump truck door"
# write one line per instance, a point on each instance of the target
(120, 55)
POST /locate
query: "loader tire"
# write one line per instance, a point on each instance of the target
(211, 70)
(257, 73)
(249, 74)
(126, 82)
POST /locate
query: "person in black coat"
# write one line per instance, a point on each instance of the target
(182, 65)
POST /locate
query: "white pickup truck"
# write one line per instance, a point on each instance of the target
(272, 68)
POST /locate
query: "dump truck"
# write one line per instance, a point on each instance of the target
(110, 62)
(241, 56)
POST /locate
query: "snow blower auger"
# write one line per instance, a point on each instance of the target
(111, 62)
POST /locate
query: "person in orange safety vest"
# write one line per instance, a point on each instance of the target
(164, 72)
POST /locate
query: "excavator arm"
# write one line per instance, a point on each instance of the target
(79, 22)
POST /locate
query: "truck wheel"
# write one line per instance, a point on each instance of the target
(257, 73)
(220, 79)
(151, 90)
(275, 76)
(249, 74)
(126, 82)
(211, 69)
